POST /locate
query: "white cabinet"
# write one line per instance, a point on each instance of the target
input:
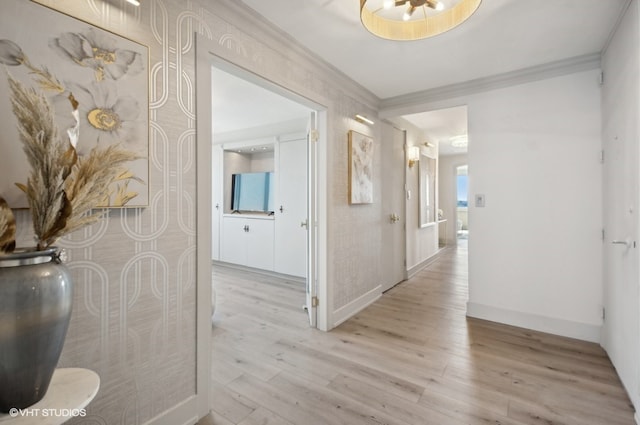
(248, 241)
(275, 243)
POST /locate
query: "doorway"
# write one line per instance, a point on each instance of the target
(263, 163)
(462, 205)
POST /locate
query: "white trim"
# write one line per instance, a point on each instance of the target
(637, 418)
(204, 195)
(293, 279)
(414, 270)
(416, 102)
(354, 307)
(178, 413)
(325, 286)
(568, 328)
(214, 54)
(623, 12)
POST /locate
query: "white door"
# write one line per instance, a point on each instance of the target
(393, 207)
(312, 220)
(620, 251)
(216, 210)
(620, 199)
(291, 212)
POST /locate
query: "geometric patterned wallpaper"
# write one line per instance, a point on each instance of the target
(135, 273)
(134, 306)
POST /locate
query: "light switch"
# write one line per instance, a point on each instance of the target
(480, 200)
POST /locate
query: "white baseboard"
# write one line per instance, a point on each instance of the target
(413, 270)
(183, 414)
(354, 307)
(582, 331)
(291, 278)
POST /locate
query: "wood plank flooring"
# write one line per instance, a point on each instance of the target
(411, 358)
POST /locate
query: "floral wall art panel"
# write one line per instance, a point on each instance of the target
(105, 73)
(360, 168)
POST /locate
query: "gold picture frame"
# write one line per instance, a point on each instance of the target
(360, 168)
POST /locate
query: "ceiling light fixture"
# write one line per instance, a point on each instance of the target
(134, 2)
(414, 19)
(459, 141)
(363, 119)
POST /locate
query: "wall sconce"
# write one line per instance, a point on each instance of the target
(413, 155)
(363, 119)
(134, 2)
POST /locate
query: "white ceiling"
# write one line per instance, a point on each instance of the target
(440, 126)
(501, 36)
(240, 105)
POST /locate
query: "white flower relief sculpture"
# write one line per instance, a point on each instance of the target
(98, 52)
(73, 172)
(106, 118)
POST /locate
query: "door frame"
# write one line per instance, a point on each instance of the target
(457, 165)
(206, 57)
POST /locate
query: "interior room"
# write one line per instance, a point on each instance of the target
(260, 169)
(429, 217)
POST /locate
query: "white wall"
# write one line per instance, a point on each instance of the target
(535, 249)
(447, 191)
(620, 111)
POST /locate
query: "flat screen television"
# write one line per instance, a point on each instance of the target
(252, 192)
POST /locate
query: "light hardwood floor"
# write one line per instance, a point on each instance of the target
(411, 358)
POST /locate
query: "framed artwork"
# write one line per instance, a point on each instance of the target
(360, 168)
(107, 74)
(427, 190)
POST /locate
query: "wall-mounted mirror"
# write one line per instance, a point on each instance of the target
(427, 169)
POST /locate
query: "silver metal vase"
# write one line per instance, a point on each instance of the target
(35, 307)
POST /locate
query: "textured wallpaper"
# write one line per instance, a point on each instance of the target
(134, 303)
(135, 306)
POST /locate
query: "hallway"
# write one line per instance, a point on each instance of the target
(411, 358)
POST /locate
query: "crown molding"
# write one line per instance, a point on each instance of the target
(252, 24)
(256, 26)
(623, 11)
(415, 102)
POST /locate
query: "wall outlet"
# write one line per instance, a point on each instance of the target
(480, 200)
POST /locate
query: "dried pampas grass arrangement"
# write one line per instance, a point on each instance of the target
(62, 189)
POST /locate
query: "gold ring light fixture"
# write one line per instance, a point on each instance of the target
(414, 19)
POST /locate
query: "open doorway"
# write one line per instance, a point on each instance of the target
(263, 186)
(462, 204)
